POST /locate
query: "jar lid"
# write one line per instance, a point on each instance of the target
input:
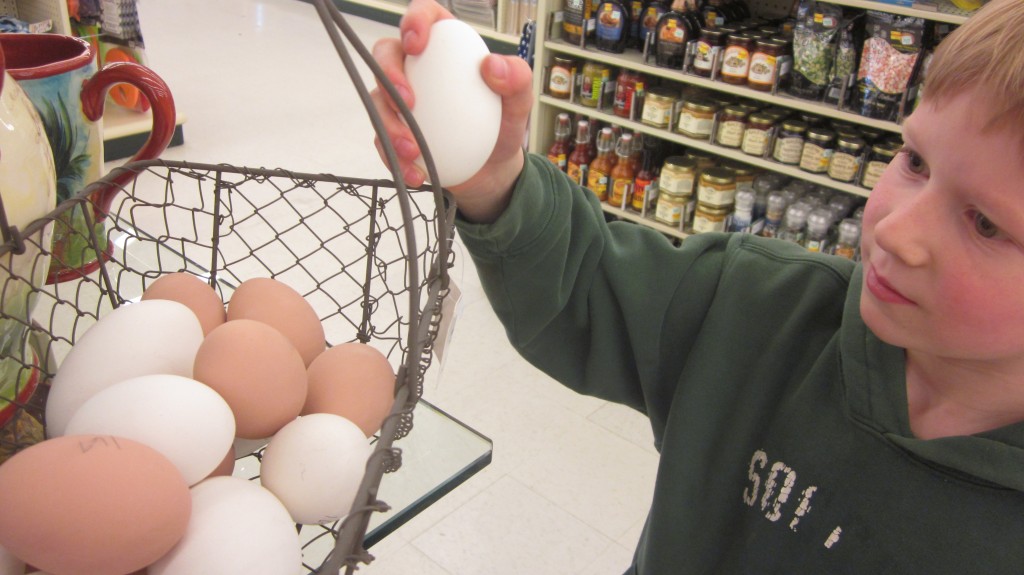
(820, 134)
(711, 34)
(740, 169)
(713, 210)
(681, 162)
(762, 117)
(794, 126)
(736, 110)
(718, 175)
(885, 149)
(851, 143)
(660, 92)
(741, 37)
(700, 105)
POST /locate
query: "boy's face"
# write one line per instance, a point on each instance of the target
(943, 238)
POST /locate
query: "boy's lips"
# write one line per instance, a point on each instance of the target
(882, 289)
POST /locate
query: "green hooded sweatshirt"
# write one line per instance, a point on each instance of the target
(781, 420)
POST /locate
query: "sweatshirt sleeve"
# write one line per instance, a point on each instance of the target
(598, 306)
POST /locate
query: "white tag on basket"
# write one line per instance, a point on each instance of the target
(451, 309)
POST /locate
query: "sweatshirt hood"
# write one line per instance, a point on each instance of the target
(874, 382)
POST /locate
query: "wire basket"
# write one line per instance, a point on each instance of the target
(370, 256)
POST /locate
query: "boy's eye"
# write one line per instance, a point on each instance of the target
(914, 162)
(984, 226)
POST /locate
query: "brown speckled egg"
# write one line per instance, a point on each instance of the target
(258, 371)
(277, 304)
(352, 380)
(188, 289)
(91, 504)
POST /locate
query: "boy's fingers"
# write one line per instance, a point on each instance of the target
(391, 59)
(416, 23)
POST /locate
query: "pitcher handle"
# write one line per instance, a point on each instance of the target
(94, 94)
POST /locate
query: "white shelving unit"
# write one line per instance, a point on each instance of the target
(547, 108)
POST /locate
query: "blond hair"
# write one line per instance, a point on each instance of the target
(984, 53)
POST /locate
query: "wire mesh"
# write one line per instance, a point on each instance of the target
(340, 242)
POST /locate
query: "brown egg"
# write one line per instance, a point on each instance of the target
(188, 289)
(277, 304)
(91, 504)
(352, 380)
(257, 371)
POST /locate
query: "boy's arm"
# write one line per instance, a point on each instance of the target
(587, 302)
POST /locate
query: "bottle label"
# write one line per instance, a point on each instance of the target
(755, 142)
(788, 150)
(621, 189)
(815, 158)
(762, 69)
(736, 62)
(703, 58)
(872, 172)
(843, 167)
(597, 182)
(693, 126)
(717, 197)
(577, 173)
(704, 223)
(731, 133)
(559, 160)
(559, 84)
(674, 183)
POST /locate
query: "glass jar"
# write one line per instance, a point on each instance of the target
(758, 134)
(764, 64)
(744, 174)
(736, 61)
(708, 218)
(846, 160)
(696, 119)
(705, 54)
(878, 159)
(560, 78)
(732, 122)
(789, 144)
(817, 151)
(674, 209)
(595, 75)
(658, 105)
(717, 187)
(678, 175)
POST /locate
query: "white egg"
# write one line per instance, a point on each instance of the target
(155, 336)
(236, 528)
(456, 111)
(186, 421)
(314, 465)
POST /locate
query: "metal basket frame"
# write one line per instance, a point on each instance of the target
(213, 218)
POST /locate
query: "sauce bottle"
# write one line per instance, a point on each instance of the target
(559, 152)
(653, 11)
(582, 154)
(600, 169)
(670, 38)
(578, 21)
(613, 23)
(623, 173)
(645, 184)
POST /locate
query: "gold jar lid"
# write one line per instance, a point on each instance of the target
(794, 126)
(820, 135)
(662, 94)
(681, 163)
(885, 149)
(736, 111)
(712, 210)
(851, 144)
(761, 119)
(719, 175)
(700, 105)
(740, 170)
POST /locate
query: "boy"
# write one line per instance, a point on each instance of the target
(812, 415)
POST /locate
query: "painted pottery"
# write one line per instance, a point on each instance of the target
(60, 76)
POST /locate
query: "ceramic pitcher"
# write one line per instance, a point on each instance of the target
(27, 192)
(60, 76)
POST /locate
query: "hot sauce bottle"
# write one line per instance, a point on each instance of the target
(601, 167)
(582, 154)
(623, 173)
(559, 151)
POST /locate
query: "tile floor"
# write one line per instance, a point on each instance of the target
(571, 477)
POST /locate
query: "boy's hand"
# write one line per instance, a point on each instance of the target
(484, 196)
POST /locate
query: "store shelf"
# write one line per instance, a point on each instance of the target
(944, 11)
(398, 9)
(720, 151)
(125, 131)
(33, 11)
(640, 219)
(634, 60)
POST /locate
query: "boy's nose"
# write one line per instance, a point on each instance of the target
(906, 233)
